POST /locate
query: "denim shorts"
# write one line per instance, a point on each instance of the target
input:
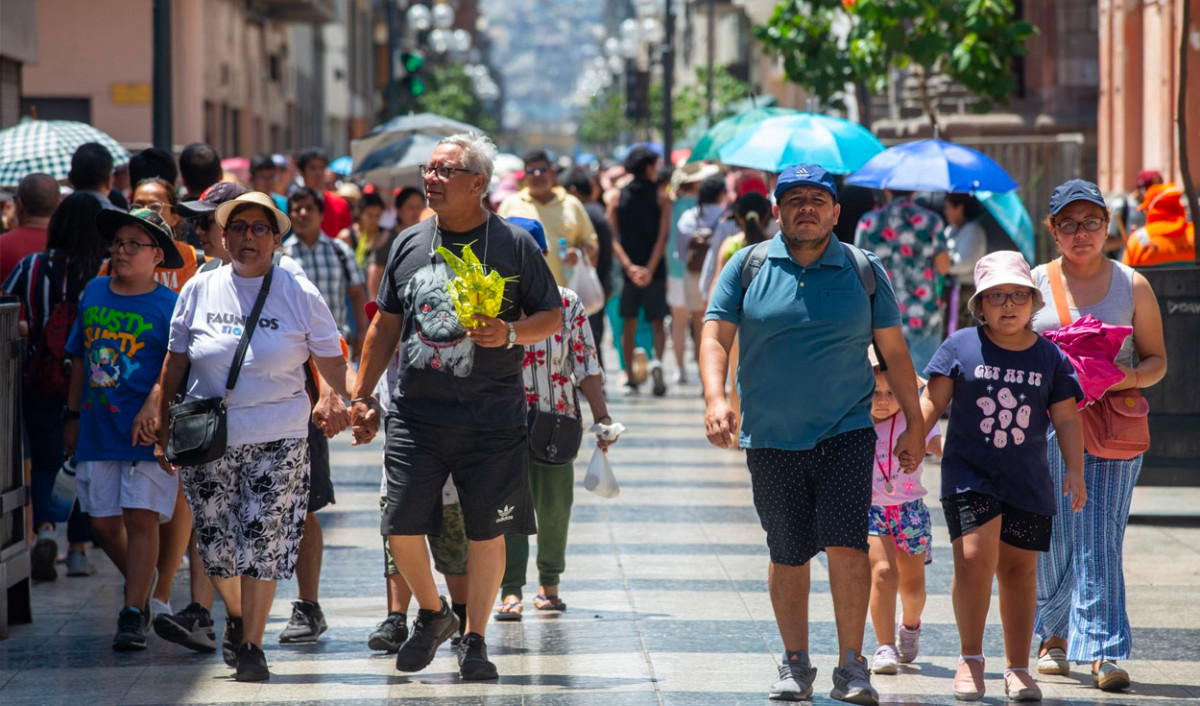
(908, 525)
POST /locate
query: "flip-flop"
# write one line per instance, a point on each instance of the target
(549, 603)
(506, 612)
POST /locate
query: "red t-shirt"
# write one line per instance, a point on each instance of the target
(337, 215)
(16, 244)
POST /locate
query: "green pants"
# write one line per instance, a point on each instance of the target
(553, 489)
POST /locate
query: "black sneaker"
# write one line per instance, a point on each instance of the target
(251, 663)
(430, 629)
(656, 376)
(191, 627)
(306, 625)
(131, 631)
(45, 553)
(231, 639)
(390, 634)
(473, 662)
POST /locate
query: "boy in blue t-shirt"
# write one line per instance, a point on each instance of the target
(117, 346)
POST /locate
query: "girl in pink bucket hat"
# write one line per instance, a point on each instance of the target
(1005, 385)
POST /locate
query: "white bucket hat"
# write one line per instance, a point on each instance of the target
(1002, 267)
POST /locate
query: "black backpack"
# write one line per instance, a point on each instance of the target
(862, 266)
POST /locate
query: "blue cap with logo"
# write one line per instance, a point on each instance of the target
(805, 175)
(1075, 190)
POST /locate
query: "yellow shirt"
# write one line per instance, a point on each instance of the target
(563, 216)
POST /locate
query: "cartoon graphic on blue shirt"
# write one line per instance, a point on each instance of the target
(122, 341)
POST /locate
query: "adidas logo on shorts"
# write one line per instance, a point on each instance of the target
(505, 514)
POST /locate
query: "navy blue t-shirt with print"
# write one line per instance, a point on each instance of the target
(999, 416)
(122, 340)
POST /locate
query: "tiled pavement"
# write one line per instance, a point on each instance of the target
(668, 605)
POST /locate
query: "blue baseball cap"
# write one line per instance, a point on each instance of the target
(805, 175)
(535, 229)
(1075, 190)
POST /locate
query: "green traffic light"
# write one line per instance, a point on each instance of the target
(412, 62)
(416, 86)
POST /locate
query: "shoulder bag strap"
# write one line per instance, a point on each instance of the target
(247, 332)
(1054, 274)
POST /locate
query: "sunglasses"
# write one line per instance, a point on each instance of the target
(239, 228)
(201, 223)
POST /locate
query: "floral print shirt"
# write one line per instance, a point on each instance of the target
(554, 367)
(906, 237)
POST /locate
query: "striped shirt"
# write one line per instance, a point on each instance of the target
(38, 283)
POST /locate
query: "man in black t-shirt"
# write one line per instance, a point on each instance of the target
(459, 404)
(641, 229)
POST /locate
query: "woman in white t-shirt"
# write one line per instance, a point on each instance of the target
(250, 505)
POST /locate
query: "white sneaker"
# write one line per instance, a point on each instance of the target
(886, 660)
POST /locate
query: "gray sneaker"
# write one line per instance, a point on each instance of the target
(796, 677)
(78, 564)
(852, 682)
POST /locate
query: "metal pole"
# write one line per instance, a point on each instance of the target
(393, 98)
(709, 88)
(668, 69)
(161, 89)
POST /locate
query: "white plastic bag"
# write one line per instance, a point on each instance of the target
(586, 284)
(600, 479)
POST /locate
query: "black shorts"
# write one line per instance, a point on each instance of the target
(490, 470)
(320, 485)
(652, 298)
(810, 500)
(967, 512)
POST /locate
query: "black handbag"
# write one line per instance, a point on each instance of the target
(196, 429)
(554, 439)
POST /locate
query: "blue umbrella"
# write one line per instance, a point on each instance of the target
(777, 143)
(1010, 212)
(933, 165)
(342, 165)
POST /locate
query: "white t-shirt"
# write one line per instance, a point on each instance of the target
(269, 401)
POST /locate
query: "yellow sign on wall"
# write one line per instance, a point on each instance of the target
(131, 93)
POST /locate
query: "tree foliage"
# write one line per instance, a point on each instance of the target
(827, 44)
(603, 123)
(451, 93)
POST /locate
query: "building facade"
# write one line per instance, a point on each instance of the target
(1139, 90)
(247, 76)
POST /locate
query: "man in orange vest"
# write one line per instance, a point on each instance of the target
(1167, 238)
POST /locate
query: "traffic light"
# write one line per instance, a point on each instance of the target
(405, 72)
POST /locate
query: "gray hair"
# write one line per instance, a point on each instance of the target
(478, 151)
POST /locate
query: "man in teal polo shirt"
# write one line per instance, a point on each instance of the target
(805, 322)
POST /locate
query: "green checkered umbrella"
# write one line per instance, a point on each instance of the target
(46, 146)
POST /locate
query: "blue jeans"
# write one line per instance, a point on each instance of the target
(42, 417)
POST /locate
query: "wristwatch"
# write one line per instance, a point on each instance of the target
(512, 335)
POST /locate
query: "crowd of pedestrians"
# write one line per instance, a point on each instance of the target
(307, 308)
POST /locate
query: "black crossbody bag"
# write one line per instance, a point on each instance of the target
(554, 439)
(197, 432)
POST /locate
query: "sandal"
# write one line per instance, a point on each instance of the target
(549, 603)
(510, 611)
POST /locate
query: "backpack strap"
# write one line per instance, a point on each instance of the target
(754, 261)
(866, 275)
(341, 256)
(210, 264)
(1054, 275)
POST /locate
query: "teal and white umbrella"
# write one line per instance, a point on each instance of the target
(47, 146)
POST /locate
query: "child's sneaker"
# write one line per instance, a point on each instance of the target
(886, 660)
(910, 642)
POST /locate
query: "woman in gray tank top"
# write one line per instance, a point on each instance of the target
(1081, 614)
